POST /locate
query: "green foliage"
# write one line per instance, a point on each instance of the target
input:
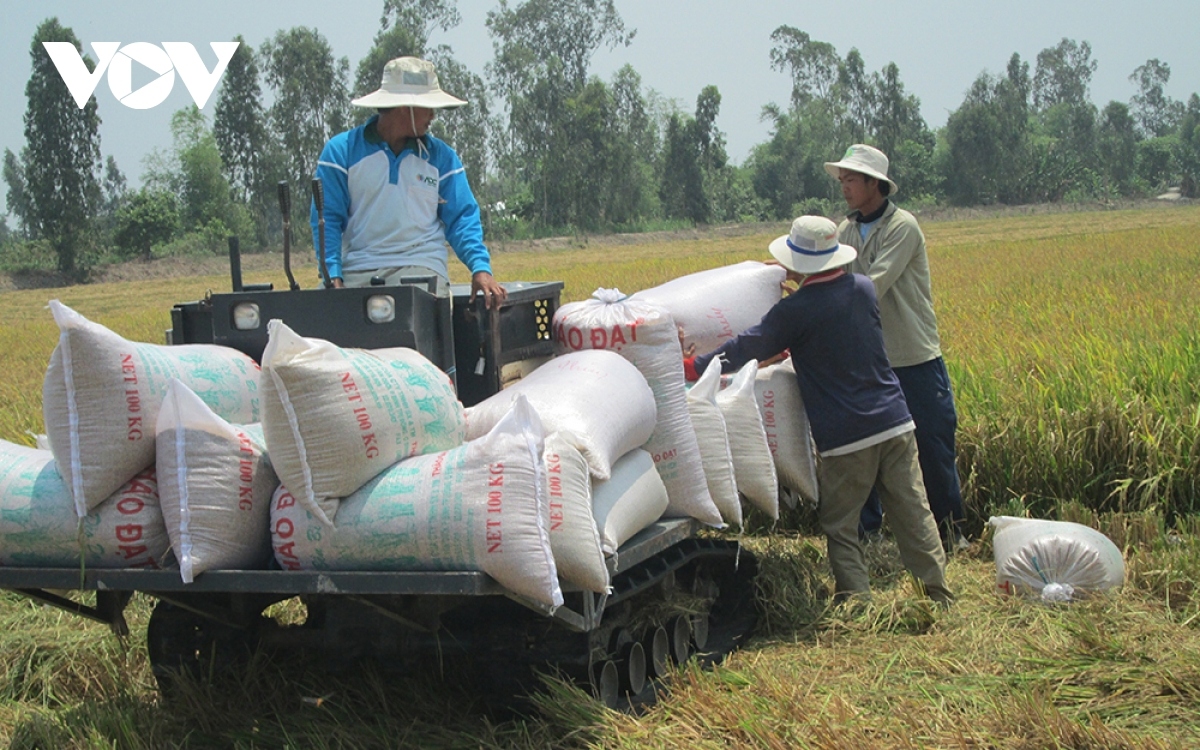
(988, 140)
(194, 173)
(311, 96)
(61, 159)
(1155, 162)
(16, 196)
(559, 142)
(149, 218)
(1063, 75)
(1187, 151)
(1156, 112)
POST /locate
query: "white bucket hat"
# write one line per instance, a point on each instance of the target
(863, 159)
(812, 247)
(409, 82)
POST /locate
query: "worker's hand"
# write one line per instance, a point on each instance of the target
(337, 283)
(791, 282)
(493, 294)
(688, 351)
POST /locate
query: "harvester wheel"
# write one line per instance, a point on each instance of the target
(633, 672)
(681, 638)
(660, 652)
(700, 631)
(607, 683)
(179, 641)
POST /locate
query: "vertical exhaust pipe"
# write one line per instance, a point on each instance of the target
(235, 264)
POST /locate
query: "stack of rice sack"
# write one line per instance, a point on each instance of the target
(712, 307)
(646, 335)
(370, 448)
(597, 411)
(785, 423)
(39, 526)
(93, 499)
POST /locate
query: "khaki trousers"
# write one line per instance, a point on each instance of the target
(845, 483)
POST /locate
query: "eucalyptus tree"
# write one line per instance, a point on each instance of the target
(251, 153)
(311, 96)
(60, 163)
(543, 51)
(240, 123)
(1156, 113)
(988, 139)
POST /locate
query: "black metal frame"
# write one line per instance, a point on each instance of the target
(231, 596)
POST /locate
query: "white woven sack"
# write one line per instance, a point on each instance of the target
(646, 335)
(574, 539)
(753, 464)
(713, 440)
(786, 425)
(714, 306)
(334, 418)
(632, 499)
(102, 393)
(479, 507)
(39, 528)
(1057, 560)
(216, 482)
(596, 397)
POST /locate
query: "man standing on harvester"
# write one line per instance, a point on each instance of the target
(891, 252)
(395, 195)
(860, 423)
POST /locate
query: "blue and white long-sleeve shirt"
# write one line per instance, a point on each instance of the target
(386, 210)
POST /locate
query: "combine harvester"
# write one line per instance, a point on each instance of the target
(675, 594)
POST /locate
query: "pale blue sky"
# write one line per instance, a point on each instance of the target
(680, 47)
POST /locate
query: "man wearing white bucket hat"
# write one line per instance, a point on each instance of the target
(860, 423)
(892, 253)
(395, 195)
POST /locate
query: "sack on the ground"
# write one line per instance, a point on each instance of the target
(646, 335)
(753, 465)
(629, 501)
(578, 554)
(713, 441)
(102, 393)
(1057, 560)
(716, 305)
(39, 528)
(216, 482)
(596, 397)
(786, 425)
(478, 507)
(334, 418)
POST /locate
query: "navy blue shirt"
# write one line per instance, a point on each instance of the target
(833, 331)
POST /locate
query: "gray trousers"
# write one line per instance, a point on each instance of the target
(845, 483)
(396, 276)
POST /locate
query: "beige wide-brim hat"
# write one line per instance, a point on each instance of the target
(409, 82)
(864, 159)
(812, 247)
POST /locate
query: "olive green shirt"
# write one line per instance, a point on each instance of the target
(894, 258)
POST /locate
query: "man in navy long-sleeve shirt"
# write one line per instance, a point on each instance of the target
(860, 421)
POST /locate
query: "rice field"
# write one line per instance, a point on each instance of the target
(1073, 347)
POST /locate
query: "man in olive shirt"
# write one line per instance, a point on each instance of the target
(891, 251)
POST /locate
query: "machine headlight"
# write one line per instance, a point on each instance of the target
(246, 316)
(381, 308)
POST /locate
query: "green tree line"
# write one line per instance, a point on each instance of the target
(551, 147)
